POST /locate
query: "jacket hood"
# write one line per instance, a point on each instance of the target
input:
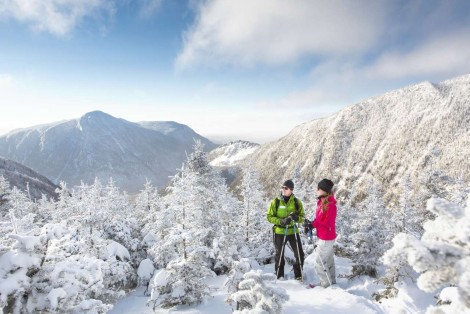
(331, 199)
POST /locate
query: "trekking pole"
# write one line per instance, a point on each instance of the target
(323, 265)
(281, 257)
(298, 251)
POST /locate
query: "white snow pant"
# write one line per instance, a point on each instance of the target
(325, 251)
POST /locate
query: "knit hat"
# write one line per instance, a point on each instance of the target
(289, 184)
(326, 185)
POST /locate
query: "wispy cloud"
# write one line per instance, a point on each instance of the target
(354, 48)
(58, 17)
(272, 32)
(444, 55)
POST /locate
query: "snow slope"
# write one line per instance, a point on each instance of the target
(231, 154)
(351, 297)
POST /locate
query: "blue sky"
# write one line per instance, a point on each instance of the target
(245, 69)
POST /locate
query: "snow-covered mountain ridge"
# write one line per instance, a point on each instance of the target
(23, 177)
(100, 145)
(419, 130)
(230, 154)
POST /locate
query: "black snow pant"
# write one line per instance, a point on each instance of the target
(278, 244)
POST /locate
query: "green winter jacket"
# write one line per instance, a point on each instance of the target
(282, 212)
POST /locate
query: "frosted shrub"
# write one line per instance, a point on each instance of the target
(441, 256)
(235, 276)
(183, 283)
(38, 275)
(258, 293)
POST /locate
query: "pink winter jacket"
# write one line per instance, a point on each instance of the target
(326, 222)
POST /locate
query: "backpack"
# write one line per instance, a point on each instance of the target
(278, 201)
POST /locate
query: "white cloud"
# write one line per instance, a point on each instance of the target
(248, 32)
(337, 82)
(445, 55)
(58, 17)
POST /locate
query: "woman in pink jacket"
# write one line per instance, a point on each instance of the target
(325, 223)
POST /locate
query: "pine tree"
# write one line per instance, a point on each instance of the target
(256, 230)
(184, 283)
(147, 205)
(21, 212)
(407, 218)
(4, 190)
(374, 232)
(347, 223)
(235, 276)
(195, 233)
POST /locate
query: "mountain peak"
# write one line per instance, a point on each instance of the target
(96, 114)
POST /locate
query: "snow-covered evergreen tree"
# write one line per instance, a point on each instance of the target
(258, 293)
(235, 276)
(441, 256)
(4, 190)
(183, 282)
(347, 224)
(21, 211)
(226, 246)
(5, 222)
(147, 205)
(40, 274)
(198, 219)
(374, 232)
(64, 207)
(256, 230)
(407, 218)
(145, 272)
(174, 229)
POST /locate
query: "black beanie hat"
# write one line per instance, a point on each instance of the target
(289, 184)
(326, 185)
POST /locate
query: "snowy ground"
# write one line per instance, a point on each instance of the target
(344, 297)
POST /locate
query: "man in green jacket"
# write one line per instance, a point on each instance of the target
(284, 211)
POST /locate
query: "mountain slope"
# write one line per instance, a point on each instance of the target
(227, 159)
(22, 177)
(179, 132)
(419, 129)
(231, 154)
(99, 145)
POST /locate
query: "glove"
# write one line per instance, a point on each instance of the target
(307, 224)
(286, 221)
(294, 216)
